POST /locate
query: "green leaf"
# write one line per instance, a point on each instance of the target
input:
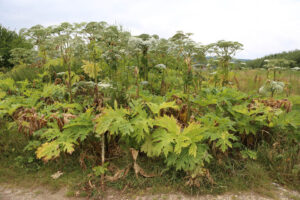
(163, 142)
(2, 94)
(148, 147)
(32, 145)
(249, 154)
(185, 161)
(243, 109)
(155, 108)
(53, 62)
(224, 140)
(114, 121)
(141, 126)
(99, 170)
(181, 142)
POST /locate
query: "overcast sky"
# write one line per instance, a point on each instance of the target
(263, 26)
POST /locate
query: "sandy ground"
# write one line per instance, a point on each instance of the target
(17, 193)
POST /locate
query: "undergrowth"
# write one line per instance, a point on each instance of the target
(229, 175)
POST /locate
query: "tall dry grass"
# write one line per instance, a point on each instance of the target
(251, 80)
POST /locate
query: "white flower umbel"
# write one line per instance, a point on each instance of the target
(104, 85)
(271, 86)
(296, 68)
(144, 83)
(160, 66)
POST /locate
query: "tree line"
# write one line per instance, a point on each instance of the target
(290, 55)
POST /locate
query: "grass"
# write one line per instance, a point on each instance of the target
(20, 177)
(251, 80)
(291, 196)
(253, 178)
(250, 176)
(20, 172)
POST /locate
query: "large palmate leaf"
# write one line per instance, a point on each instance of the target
(53, 91)
(80, 127)
(114, 121)
(2, 94)
(168, 123)
(148, 147)
(195, 133)
(91, 69)
(187, 162)
(182, 148)
(163, 142)
(155, 108)
(218, 130)
(141, 126)
(58, 141)
(224, 140)
(7, 84)
(48, 151)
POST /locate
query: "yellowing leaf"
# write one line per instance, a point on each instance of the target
(155, 108)
(168, 123)
(48, 151)
(193, 149)
(114, 121)
(224, 141)
(2, 94)
(68, 147)
(53, 62)
(91, 69)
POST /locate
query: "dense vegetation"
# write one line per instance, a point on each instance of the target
(93, 93)
(10, 40)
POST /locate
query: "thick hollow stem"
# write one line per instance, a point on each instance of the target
(102, 159)
(69, 82)
(137, 88)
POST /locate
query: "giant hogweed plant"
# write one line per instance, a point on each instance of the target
(157, 135)
(274, 86)
(240, 121)
(183, 149)
(224, 51)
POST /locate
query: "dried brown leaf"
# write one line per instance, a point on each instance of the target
(134, 154)
(119, 174)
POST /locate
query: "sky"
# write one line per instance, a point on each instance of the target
(262, 26)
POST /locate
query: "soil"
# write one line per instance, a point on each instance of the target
(8, 192)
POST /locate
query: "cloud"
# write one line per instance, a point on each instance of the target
(263, 26)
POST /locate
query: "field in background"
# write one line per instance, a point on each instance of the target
(251, 80)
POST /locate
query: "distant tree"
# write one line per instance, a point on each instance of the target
(21, 56)
(8, 41)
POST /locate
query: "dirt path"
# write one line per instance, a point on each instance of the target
(16, 193)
